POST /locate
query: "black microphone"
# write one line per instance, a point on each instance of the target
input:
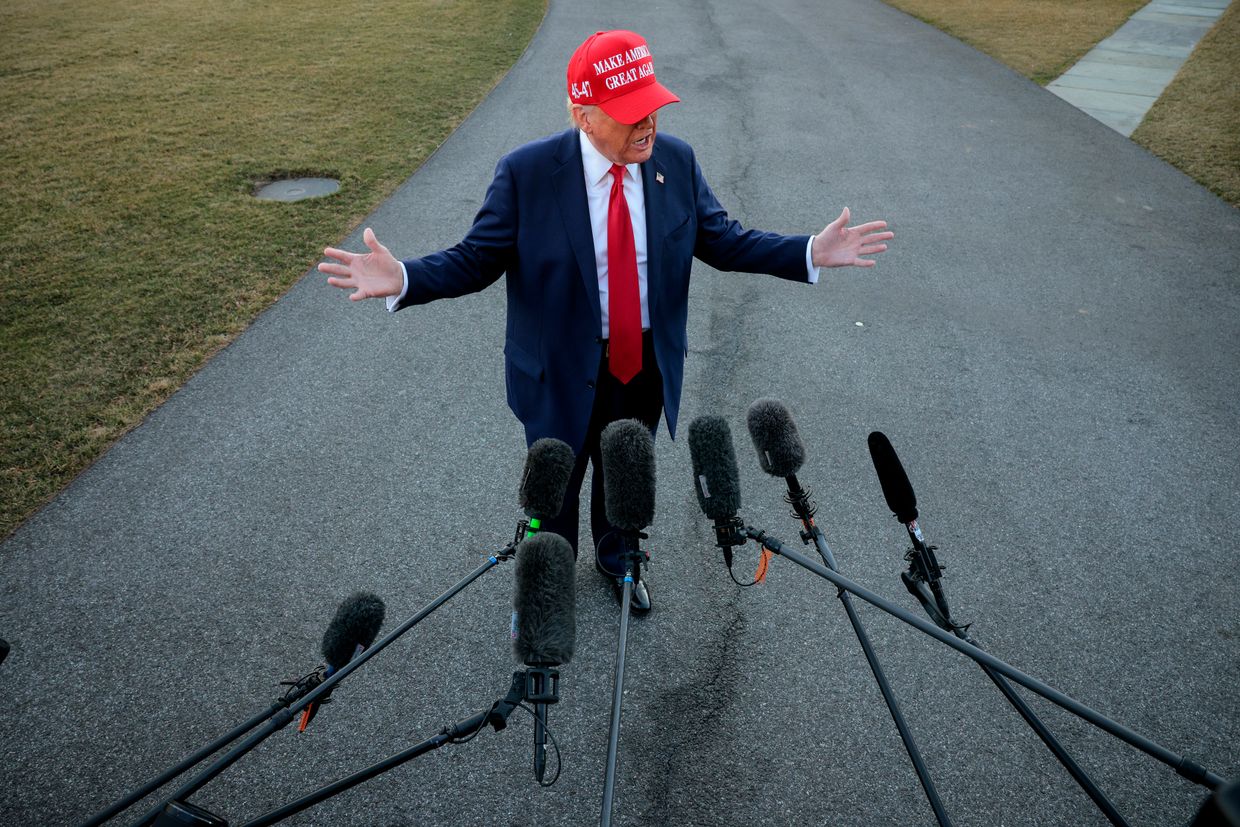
(351, 631)
(716, 480)
(781, 454)
(897, 490)
(780, 449)
(544, 606)
(548, 466)
(924, 569)
(628, 475)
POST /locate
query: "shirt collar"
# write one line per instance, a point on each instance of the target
(596, 166)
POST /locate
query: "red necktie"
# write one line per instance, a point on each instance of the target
(624, 309)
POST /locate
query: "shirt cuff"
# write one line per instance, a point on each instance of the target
(809, 261)
(393, 301)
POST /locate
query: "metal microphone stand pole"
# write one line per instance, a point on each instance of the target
(284, 716)
(539, 684)
(632, 557)
(924, 570)
(192, 760)
(803, 508)
(1183, 766)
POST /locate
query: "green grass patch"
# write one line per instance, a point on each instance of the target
(1195, 125)
(133, 136)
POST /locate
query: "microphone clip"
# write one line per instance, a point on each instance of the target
(299, 688)
(542, 685)
(536, 684)
(729, 532)
(923, 565)
(523, 527)
(922, 582)
(801, 500)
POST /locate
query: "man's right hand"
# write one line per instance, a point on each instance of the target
(376, 274)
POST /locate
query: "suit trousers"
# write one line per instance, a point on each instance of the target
(640, 399)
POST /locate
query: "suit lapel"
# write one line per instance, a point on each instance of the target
(570, 189)
(654, 194)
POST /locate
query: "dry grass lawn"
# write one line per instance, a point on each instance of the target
(132, 138)
(1038, 38)
(1195, 125)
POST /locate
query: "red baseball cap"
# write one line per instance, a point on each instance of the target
(615, 72)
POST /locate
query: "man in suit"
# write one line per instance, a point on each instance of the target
(596, 229)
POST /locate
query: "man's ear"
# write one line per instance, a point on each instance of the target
(582, 119)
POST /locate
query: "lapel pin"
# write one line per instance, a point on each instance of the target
(658, 177)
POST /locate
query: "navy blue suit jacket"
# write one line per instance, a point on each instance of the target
(534, 225)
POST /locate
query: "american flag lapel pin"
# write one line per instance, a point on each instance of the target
(658, 177)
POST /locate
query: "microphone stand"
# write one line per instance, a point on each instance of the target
(924, 571)
(534, 684)
(632, 557)
(297, 691)
(284, 715)
(803, 508)
(1184, 767)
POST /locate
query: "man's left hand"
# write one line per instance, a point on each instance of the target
(839, 245)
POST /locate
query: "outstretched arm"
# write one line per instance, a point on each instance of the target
(839, 245)
(376, 274)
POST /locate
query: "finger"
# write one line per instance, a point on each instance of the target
(869, 227)
(334, 269)
(373, 242)
(864, 262)
(874, 238)
(870, 249)
(339, 255)
(839, 222)
(342, 283)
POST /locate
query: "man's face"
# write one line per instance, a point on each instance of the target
(620, 143)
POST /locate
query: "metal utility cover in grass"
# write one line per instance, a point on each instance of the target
(297, 189)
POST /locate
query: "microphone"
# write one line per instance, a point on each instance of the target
(780, 449)
(544, 605)
(628, 475)
(781, 454)
(716, 480)
(897, 490)
(627, 450)
(548, 466)
(924, 569)
(351, 631)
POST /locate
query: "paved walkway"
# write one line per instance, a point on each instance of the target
(1119, 80)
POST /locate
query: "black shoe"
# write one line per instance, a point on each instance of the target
(639, 601)
(608, 565)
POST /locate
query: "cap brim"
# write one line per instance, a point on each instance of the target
(639, 103)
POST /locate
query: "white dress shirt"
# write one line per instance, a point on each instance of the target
(598, 178)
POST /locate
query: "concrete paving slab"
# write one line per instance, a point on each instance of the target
(1108, 101)
(1137, 62)
(1164, 31)
(1122, 122)
(1180, 9)
(1131, 58)
(1177, 17)
(1152, 77)
(1103, 84)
